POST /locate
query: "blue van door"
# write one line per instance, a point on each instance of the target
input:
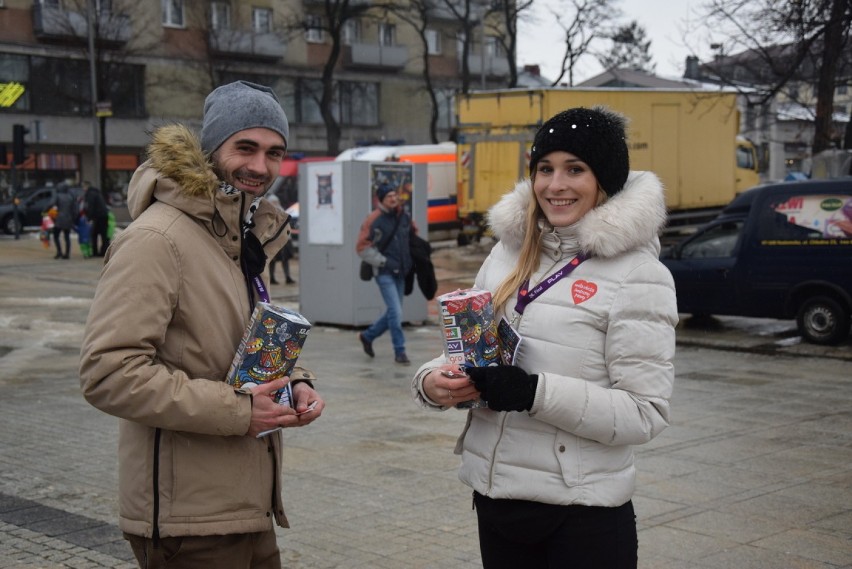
(705, 270)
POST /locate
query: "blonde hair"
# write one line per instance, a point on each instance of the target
(530, 250)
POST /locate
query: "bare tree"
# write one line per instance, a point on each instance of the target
(586, 22)
(630, 49)
(779, 47)
(468, 14)
(105, 54)
(328, 20)
(418, 15)
(504, 27)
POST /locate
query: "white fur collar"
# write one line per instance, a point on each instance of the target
(632, 218)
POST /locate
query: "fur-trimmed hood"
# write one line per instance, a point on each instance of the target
(175, 154)
(632, 218)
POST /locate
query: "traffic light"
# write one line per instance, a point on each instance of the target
(19, 146)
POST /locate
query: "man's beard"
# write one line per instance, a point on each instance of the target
(267, 183)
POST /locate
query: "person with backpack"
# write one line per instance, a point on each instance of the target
(383, 242)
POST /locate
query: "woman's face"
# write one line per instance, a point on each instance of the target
(565, 188)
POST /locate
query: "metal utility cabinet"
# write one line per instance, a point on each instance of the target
(334, 199)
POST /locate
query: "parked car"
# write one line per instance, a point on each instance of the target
(33, 203)
(776, 251)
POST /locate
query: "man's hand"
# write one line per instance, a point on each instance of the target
(267, 415)
(308, 404)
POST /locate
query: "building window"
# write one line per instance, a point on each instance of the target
(56, 88)
(103, 6)
(15, 69)
(433, 42)
(313, 29)
(493, 48)
(173, 13)
(359, 103)
(50, 3)
(354, 103)
(446, 108)
(220, 15)
(387, 34)
(351, 32)
(307, 100)
(261, 20)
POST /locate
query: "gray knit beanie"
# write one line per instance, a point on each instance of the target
(596, 136)
(238, 106)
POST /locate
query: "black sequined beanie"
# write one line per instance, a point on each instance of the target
(596, 136)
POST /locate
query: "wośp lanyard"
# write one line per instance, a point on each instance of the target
(527, 296)
(260, 288)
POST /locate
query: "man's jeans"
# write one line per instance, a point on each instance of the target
(392, 289)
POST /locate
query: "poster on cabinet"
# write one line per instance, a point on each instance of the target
(325, 200)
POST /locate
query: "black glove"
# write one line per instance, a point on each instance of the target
(505, 388)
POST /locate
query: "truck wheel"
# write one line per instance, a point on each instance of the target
(823, 320)
(462, 240)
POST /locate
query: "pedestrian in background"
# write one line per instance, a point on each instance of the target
(98, 213)
(66, 218)
(198, 487)
(575, 273)
(383, 242)
(286, 252)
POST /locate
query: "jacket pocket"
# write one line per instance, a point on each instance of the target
(214, 477)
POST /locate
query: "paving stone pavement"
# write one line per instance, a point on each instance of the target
(755, 471)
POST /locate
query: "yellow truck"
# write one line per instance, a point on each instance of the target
(688, 137)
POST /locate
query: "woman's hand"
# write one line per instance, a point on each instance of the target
(448, 386)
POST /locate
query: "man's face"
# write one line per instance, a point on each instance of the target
(391, 199)
(250, 159)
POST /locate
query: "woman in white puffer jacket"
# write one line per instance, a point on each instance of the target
(576, 273)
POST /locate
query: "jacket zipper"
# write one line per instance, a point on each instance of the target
(155, 536)
(494, 453)
(270, 446)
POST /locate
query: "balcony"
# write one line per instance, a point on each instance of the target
(55, 24)
(438, 10)
(495, 65)
(246, 44)
(377, 56)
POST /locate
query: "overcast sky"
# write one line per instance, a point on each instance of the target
(541, 42)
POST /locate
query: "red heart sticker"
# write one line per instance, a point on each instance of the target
(582, 291)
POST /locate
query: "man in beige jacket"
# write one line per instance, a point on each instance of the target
(198, 488)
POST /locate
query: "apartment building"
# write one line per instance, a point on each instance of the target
(156, 60)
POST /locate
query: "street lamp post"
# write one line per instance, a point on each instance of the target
(93, 73)
(484, 7)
